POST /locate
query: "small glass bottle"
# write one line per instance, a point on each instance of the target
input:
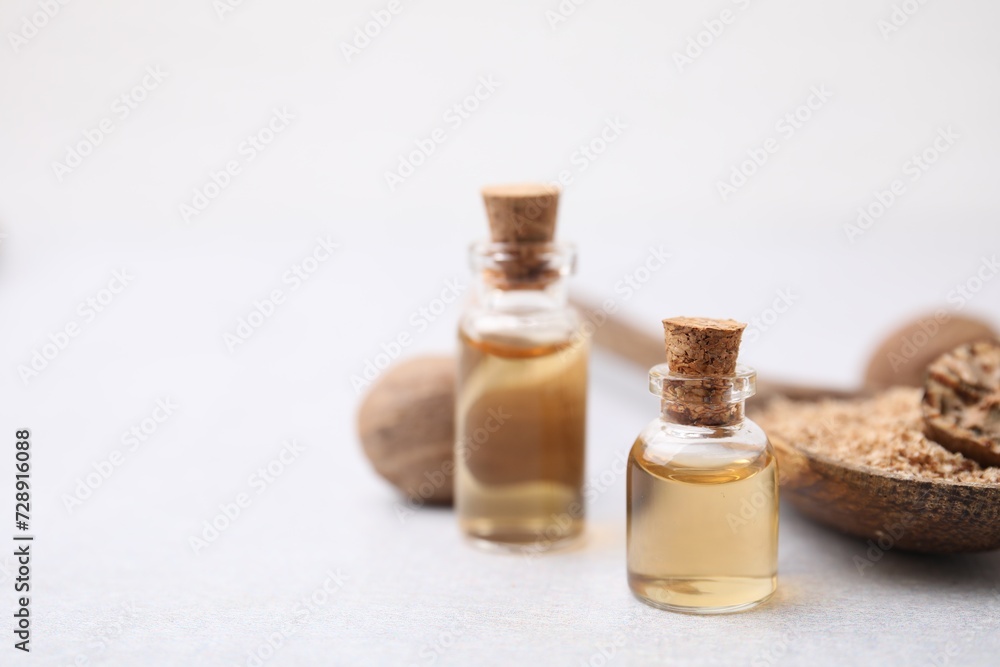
(522, 383)
(702, 481)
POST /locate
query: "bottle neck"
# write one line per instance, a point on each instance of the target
(710, 401)
(687, 413)
(552, 295)
(522, 277)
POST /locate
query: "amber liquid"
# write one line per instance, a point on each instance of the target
(702, 538)
(520, 425)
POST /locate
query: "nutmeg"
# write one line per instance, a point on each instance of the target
(905, 354)
(961, 405)
(407, 429)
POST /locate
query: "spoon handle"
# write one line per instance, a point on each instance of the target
(644, 349)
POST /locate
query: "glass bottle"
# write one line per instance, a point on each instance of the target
(702, 498)
(521, 400)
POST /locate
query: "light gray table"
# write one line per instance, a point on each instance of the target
(323, 557)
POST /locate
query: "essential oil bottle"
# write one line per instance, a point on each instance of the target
(702, 481)
(522, 382)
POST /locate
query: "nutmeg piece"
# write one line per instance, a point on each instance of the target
(407, 428)
(521, 213)
(702, 346)
(961, 404)
(905, 354)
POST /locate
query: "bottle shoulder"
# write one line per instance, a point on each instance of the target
(747, 431)
(540, 325)
(668, 445)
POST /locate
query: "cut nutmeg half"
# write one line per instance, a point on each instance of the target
(961, 404)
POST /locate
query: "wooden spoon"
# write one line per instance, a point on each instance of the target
(890, 509)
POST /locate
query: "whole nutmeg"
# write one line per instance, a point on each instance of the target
(407, 427)
(904, 356)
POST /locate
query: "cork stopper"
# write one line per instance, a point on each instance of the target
(522, 213)
(702, 346)
(704, 350)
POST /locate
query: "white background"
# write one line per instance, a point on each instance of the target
(411, 584)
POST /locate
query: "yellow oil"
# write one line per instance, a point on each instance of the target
(520, 428)
(702, 537)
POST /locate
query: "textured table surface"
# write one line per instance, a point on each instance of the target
(321, 553)
(327, 557)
